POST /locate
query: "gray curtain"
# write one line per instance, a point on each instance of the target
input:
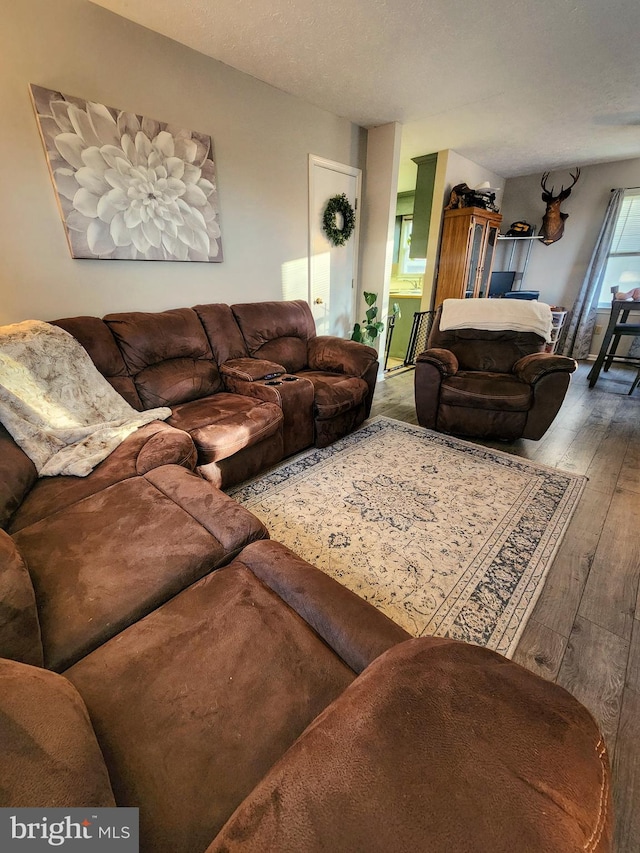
(583, 317)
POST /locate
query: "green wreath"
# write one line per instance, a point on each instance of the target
(338, 204)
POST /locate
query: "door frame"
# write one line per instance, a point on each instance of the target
(353, 172)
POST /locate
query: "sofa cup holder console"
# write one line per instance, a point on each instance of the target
(282, 379)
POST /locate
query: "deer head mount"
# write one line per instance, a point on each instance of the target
(553, 219)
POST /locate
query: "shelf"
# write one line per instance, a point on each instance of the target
(522, 247)
(504, 237)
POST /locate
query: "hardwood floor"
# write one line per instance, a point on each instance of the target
(585, 630)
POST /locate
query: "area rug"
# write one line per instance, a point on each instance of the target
(446, 537)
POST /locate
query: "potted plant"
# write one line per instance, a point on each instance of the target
(367, 331)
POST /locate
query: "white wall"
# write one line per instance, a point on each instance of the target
(460, 170)
(379, 206)
(262, 139)
(558, 270)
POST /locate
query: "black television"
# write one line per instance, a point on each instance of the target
(522, 294)
(501, 283)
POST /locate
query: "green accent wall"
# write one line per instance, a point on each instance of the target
(402, 330)
(425, 181)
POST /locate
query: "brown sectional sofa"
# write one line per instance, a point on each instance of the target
(242, 699)
(250, 383)
(96, 553)
(267, 708)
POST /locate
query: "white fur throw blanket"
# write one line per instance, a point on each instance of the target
(519, 315)
(59, 409)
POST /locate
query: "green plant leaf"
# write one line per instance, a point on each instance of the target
(372, 313)
(370, 298)
(356, 335)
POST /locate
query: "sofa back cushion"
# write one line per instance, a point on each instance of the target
(95, 336)
(223, 332)
(478, 349)
(17, 475)
(167, 354)
(277, 331)
(19, 626)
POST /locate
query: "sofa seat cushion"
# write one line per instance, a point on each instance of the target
(476, 390)
(233, 674)
(223, 424)
(335, 393)
(105, 561)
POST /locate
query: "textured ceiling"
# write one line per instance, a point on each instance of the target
(516, 87)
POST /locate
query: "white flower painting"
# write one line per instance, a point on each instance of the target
(129, 187)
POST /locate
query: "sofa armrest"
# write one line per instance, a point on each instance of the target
(531, 368)
(443, 359)
(355, 630)
(162, 444)
(251, 369)
(417, 753)
(50, 756)
(225, 519)
(337, 355)
(432, 367)
(19, 626)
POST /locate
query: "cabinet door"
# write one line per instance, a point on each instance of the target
(475, 258)
(487, 260)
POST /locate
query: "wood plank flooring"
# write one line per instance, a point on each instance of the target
(585, 630)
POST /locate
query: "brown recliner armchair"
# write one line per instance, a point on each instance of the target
(489, 384)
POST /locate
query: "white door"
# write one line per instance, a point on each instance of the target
(332, 269)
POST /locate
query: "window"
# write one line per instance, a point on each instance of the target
(407, 265)
(623, 265)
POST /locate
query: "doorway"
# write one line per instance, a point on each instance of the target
(333, 270)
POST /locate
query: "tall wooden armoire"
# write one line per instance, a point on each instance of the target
(467, 249)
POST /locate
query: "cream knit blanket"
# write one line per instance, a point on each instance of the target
(497, 315)
(57, 406)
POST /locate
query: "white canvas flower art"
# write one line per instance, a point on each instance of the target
(129, 187)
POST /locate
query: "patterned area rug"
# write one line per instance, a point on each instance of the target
(444, 536)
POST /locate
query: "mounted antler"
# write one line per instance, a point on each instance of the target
(553, 219)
